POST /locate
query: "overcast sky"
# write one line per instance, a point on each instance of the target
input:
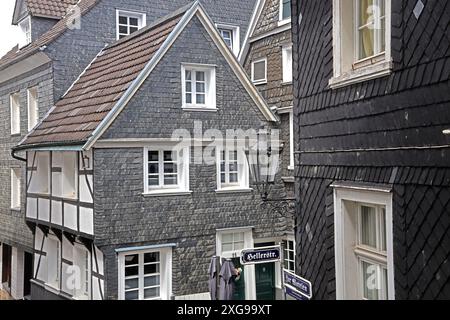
(10, 34)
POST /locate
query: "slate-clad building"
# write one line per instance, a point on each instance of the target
(58, 44)
(372, 101)
(124, 209)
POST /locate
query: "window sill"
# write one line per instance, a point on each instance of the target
(286, 83)
(291, 168)
(360, 75)
(15, 134)
(234, 190)
(199, 109)
(259, 83)
(16, 209)
(167, 193)
(284, 22)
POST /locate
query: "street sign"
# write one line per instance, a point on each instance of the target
(297, 283)
(294, 293)
(261, 255)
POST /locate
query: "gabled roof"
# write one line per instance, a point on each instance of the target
(57, 30)
(103, 90)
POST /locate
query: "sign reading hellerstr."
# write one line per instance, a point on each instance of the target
(297, 283)
(261, 255)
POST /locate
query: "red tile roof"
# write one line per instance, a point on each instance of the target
(94, 94)
(58, 29)
(49, 8)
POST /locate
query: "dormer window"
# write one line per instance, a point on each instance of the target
(230, 35)
(129, 22)
(25, 26)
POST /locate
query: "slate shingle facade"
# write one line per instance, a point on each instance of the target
(384, 131)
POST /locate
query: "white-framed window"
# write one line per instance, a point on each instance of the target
(25, 26)
(289, 255)
(363, 243)
(15, 113)
(69, 174)
(145, 275)
(15, 189)
(198, 86)
(232, 169)
(129, 22)
(231, 36)
(259, 71)
(285, 12)
(166, 169)
(33, 107)
(53, 249)
(291, 141)
(287, 63)
(361, 40)
(82, 261)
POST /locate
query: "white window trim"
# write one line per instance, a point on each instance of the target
(360, 196)
(249, 270)
(29, 111)
(183, 177)
(342, 78)
(15, 183)
(210, 87)
(236, 36)
(291, 141)
(260, 81)
(27, 37)
(243, 177)
(54, 286)
(165, 271)
(285, 66)
(142, 19)
(282, 21)
(15, 118)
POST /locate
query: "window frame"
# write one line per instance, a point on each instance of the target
(16, 189)
(141, 16)
(286, 253)
(32, 111)
(55, 283)
(165, 272)
(347, 237)
(243, 183)
(25, 27)
(210, 87)
(236, 45)
(360, 70)
(183, 164)
(287, 68)
(14, 103)
(259, 81)
(281, 20)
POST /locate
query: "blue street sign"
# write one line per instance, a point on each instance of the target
(294, 293)
(261, 255)
(297, 283)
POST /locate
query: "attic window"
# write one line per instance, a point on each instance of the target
(25, 26)
(285, 12)
(129, 22)
(198, 86)
(230, 35)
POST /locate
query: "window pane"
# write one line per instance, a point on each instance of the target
(188, 98)
(153, 156)
(133, 29)
(233, 177)
(131, 284)
(170, 168)
(123, 20)
(153, 168)
(188, 75)
(123, 29)
(200, 87)
(132, 295)
(188, 86)
(131, 271)
(170, 156)
(151, 293)
(153, 181)
(200, 99)
(151, 257)
(227, 238)
(239, 236)
(259, 71)
(170, 180)
(370, 280)
(151, 281)
(239, 245)
(132, 259)
(366, 40)
(226, 247)
(200, 76)
(134, 22)
(368, 226)
(151, 268)
(222, 178)
(383, 229)
(286, 9)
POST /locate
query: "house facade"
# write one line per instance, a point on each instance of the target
(59, 42)
(371, 108)
(121, 208)
(267, 57)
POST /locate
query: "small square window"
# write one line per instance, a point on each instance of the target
(259, 71)
(129, 22)
(198, 87)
